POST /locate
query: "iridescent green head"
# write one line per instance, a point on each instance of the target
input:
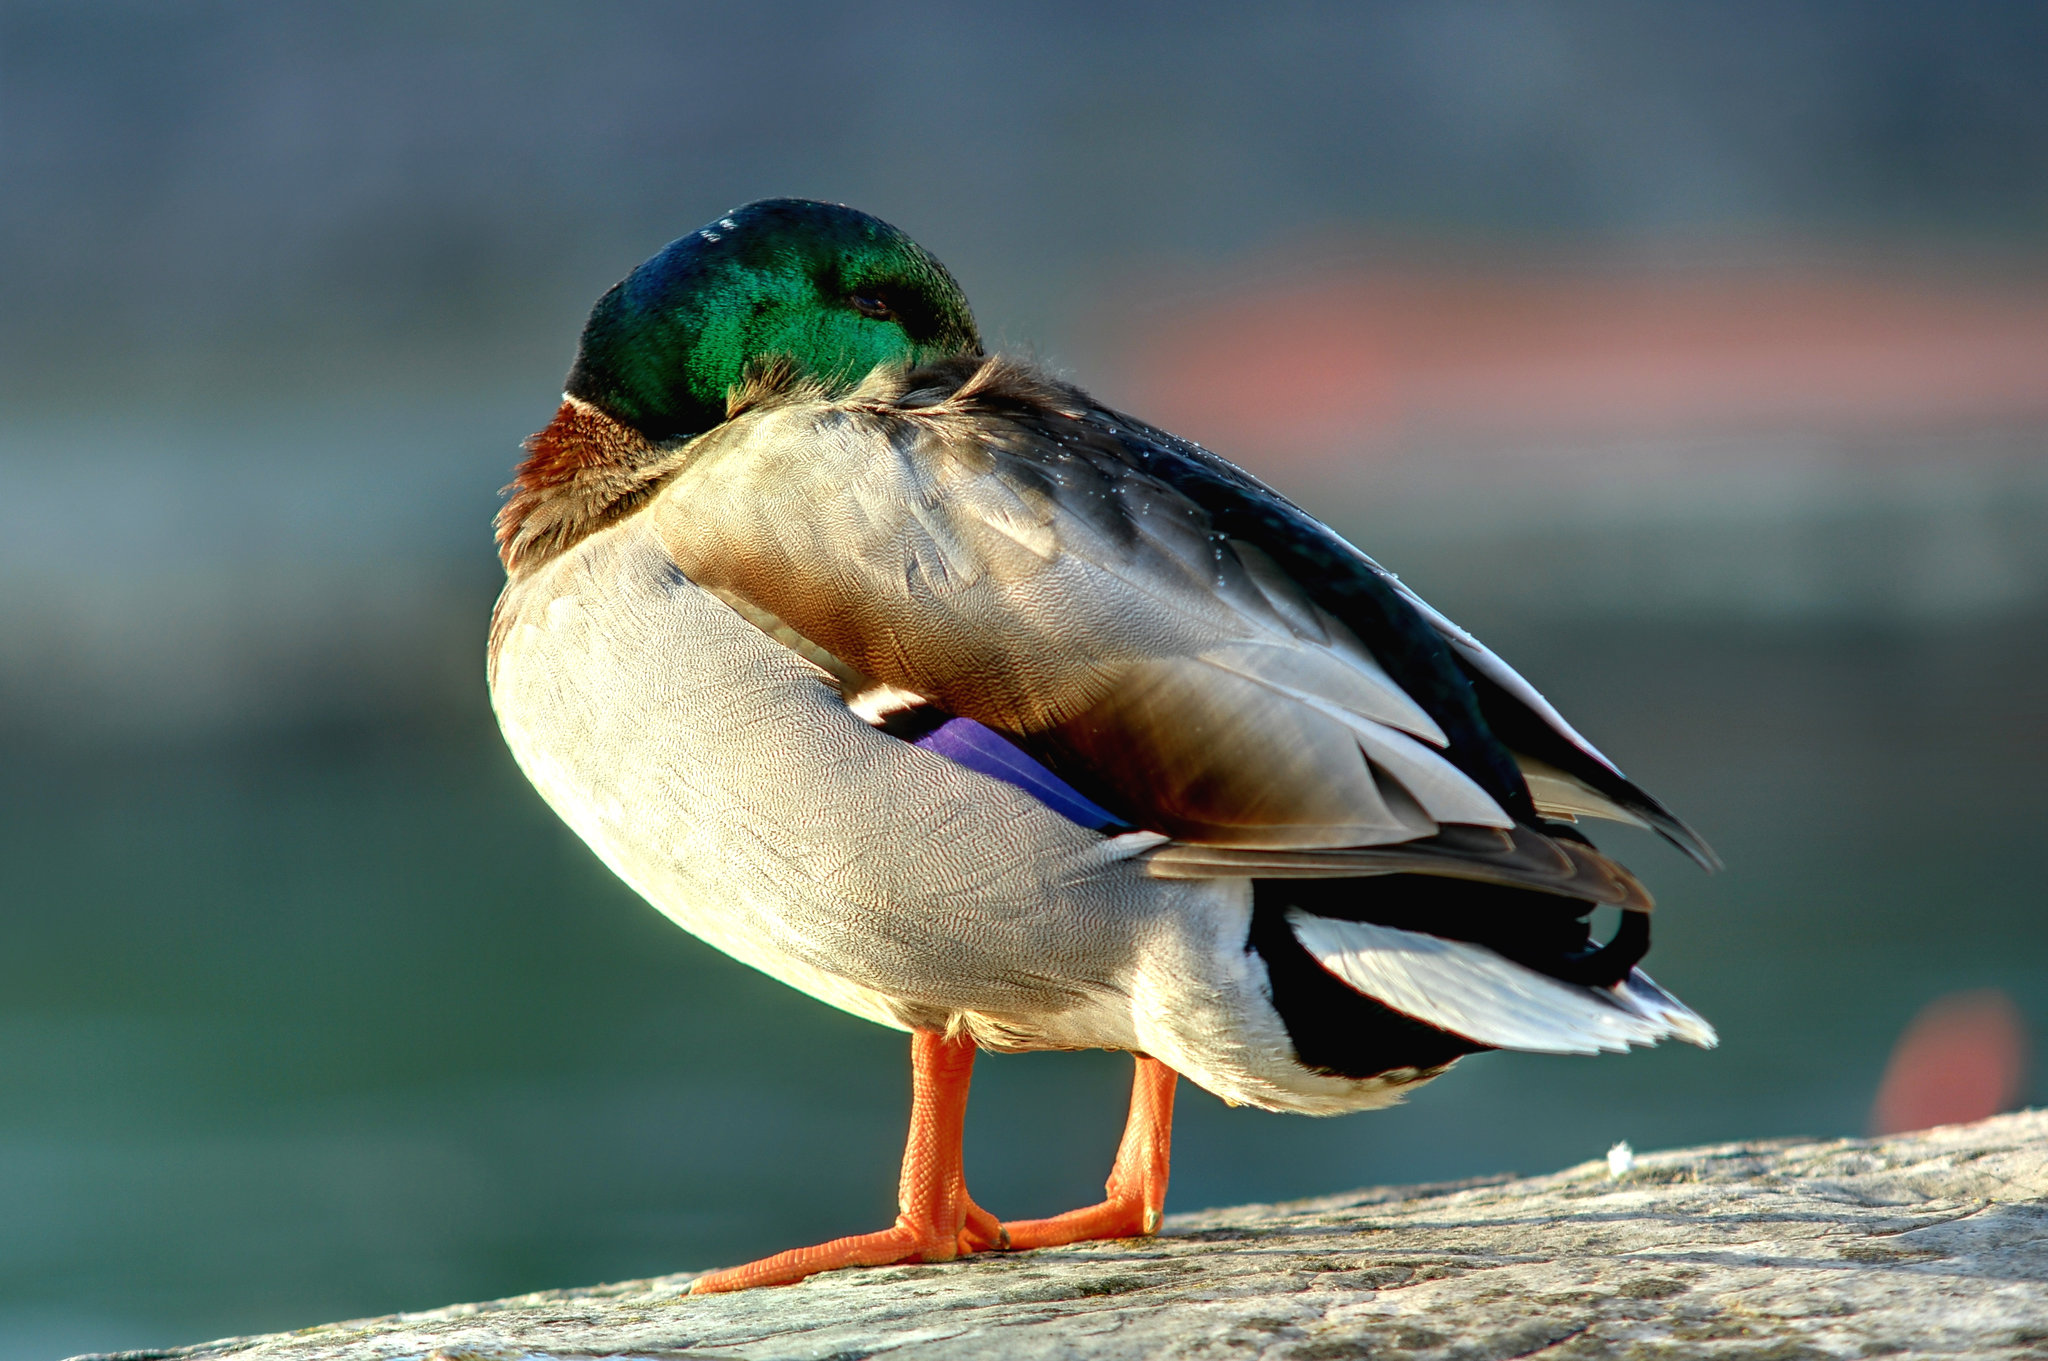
(834, 290)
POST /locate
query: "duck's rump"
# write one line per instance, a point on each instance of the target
(1404, 972)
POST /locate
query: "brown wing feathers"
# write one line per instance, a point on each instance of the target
(989, 539)
(1518, 858)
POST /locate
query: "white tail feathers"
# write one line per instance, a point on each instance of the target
(1476, 992)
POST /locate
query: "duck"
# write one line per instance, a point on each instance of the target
(915, 677)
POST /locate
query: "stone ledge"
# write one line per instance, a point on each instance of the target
(1925, 1245)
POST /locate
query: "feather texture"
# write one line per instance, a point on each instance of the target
(1517, 859)
(1576, 776)
(995, 543)
(1474, 992)
(729, 679)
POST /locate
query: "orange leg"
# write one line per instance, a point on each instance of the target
(933, 1221)
(1137, 1183)
(937, 1220)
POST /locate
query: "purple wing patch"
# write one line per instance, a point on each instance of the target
(984, 749)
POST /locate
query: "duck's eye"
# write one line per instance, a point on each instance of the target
(868, 305)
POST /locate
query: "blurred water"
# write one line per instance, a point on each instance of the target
(346, 1023)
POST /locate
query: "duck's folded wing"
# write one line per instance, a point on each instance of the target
(1521, 858)
(1564, 773)
(1181, 644)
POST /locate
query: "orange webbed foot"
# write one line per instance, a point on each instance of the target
(903, 1242)
(937, 1222)
(940, 1221)
(899, 1243)
(1136, 1199)
(983, 1232)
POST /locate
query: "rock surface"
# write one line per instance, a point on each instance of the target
(1931, 1244)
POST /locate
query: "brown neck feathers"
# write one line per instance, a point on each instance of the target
(581, 473)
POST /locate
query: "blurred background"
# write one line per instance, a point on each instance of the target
(1694, 355)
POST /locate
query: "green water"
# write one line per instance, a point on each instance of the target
(345, 1023)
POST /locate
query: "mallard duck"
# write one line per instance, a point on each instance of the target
(920, 680)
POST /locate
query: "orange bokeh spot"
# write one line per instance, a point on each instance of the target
(1963, 1058)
